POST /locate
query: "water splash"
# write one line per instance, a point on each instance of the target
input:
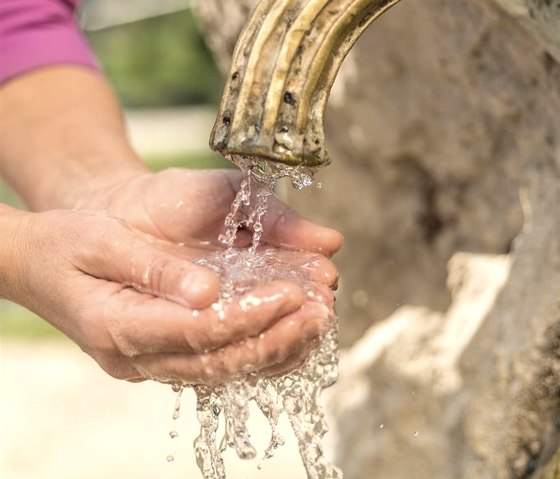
(296, 393)
(177, 410)
(256, 188)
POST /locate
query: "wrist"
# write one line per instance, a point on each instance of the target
(13, 226)
(83, 175)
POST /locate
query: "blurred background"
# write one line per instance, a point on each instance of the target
(61, 416)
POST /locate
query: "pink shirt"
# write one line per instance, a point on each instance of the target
(37, 33)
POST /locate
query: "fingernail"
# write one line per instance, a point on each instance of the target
(200, 288)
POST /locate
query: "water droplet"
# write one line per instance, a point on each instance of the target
(247, 452)
(177, 410)
(416, 434)
(381, 426)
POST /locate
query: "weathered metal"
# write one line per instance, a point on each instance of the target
(283, 68)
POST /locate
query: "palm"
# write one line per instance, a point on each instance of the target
(181, 206)
(189, 206)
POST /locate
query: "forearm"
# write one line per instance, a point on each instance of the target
(62, 136)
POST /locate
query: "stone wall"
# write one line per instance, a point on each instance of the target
(444, 130)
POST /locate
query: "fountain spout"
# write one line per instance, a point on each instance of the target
(283, 68)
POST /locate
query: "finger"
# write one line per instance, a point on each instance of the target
(125, 256)
(281, 341)
(319, 293)
(140, 324)
(291, 363)
(202, 196)
(283, 227)
(320, 269)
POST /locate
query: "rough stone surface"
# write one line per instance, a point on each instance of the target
(444, 130)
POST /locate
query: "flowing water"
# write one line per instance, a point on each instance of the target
(296, 393)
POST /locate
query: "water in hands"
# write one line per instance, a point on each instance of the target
(296, 393)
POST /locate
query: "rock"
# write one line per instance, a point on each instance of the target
(404, 378)
(444, 130)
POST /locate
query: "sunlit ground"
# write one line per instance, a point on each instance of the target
(61, 417)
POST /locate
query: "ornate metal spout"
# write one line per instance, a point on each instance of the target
(283, 68)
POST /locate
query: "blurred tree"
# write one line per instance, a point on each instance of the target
(159, 61)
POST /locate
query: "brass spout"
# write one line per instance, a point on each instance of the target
(284, 65)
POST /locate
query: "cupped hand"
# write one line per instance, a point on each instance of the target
(142, 309)
(189, 206)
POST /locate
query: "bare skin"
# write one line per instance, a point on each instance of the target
(108, 255)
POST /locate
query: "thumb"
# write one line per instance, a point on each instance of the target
(130, 258)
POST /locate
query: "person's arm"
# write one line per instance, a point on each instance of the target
(63, 144)
(63, 136)
(63, 141)
(61, 128)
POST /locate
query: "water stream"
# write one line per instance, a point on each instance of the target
(296, 393)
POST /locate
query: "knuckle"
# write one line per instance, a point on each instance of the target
(155, 272)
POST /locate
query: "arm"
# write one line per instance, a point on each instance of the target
(122, 290)
(63, 136)
(64, 145)
(61, 126)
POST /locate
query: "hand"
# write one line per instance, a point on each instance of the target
(140, 311)
(58, 161)
(189, 206)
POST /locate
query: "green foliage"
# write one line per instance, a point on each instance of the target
(21, 324)
(202, 160)
(161, 61)
(8, 197)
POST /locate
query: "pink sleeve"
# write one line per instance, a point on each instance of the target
(37, 33)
